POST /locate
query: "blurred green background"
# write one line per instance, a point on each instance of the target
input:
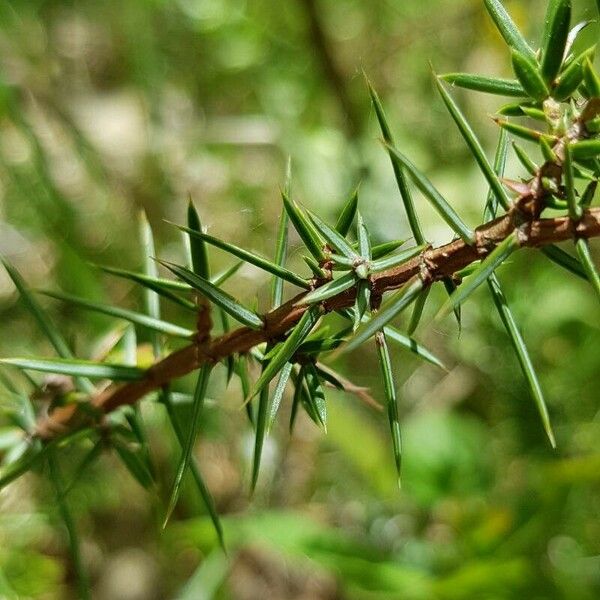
(108, 107)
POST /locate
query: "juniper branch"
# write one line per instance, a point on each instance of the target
(433, 264)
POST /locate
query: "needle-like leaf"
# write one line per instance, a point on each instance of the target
(198, 250)
(437, 200)
(553, 202)
(241, 370)
(575, 211)
(84, 464)
(15, 469)
(526, 133)
(161, 287)
(522, 354)
(390, 399)
(364, 242)
(134, 463)
(298, 380)
(316, 396)
(261, 426)
(333, 238)
(303, 397)
(523, 157)
(530, 77)
(134, 416)
(584, 173)
(592, 80)
(396, 259)
(569, 80)
(44, 322)
(346, 217)
(186, 454)
(230, 359)
(405, 194)
(500, 253)
(564, 260)
(588, 195)
(280, 257)
(250, 257)
(492, 201)
(533, 112)
(147, 280)
(304, 227)
(556, 33)
(331, 377)
(391, 333)
(389, 311)
(344, 263)
(151, 300)
(585, 149)
(481, 83)
(381, 250)
(77, 368)
(507, 28)
(547, 151)
(320, 346)
(450, 287)
(417, 312)
(229, 304)
(220, 278)
(573, 34)
(506, 314)
(333, 288)
(314, 267)
(286, 350)
(517, 109)
(121, 313)
(361, 304)
(284, 376)
(74, 545)
(363, 290)
(474, 146)
(583, 249)
(204, 491)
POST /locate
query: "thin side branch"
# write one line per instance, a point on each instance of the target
(432, 265)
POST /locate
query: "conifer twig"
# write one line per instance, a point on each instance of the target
(431, 265)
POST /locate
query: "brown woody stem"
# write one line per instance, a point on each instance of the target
(432, 265)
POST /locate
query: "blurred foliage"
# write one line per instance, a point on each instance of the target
(109, 107)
